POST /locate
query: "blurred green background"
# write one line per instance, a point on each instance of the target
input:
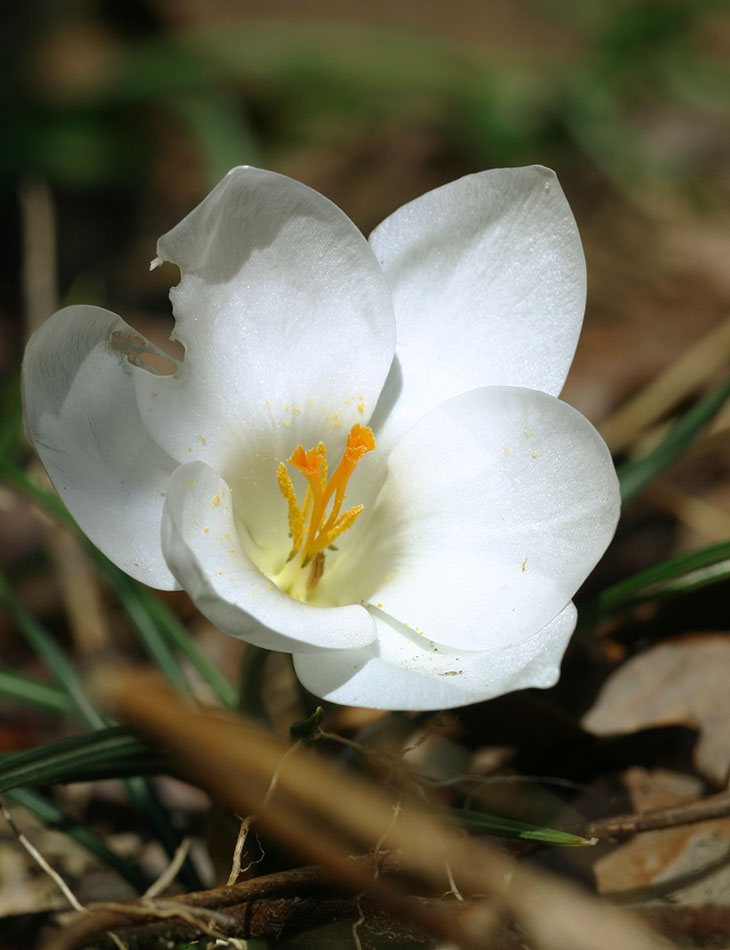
(127, 112)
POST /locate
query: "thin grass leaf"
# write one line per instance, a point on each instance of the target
(49, 813)
(106, 753)
(141, 606)
(135, 601)
(144, 798)
(133, 598)
(45, 500)
(508, 828)
(131, 594)
(674, 577)
(33, 692)
(53, 656)
(219, 128)
(177, 634)
(634, 476)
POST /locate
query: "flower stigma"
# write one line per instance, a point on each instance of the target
(319, 520)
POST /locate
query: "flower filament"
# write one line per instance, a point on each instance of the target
(319, 520)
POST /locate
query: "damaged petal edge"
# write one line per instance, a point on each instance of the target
(132, 346)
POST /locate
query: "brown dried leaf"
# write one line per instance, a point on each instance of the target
(687, 864)
(680, 682)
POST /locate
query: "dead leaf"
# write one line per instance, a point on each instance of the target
(687, 864)
(682, 681)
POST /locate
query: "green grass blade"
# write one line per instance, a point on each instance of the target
(156, 625)
(33, 692)
(135, 601)
(105, 753)
(674, 577)
(634, 476)
(131, 595)
(54, 657)
(48, 812)
(508, 828)
(45, 500)
(145, 799)
(177, 634)
(219, 129)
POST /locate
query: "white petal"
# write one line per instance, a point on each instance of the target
(496, 507)
(81, 415)
(288, 330)
(404, 672)
(207, 553)
(488, 282)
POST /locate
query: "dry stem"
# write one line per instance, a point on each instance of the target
(622, 826)
(321, 813)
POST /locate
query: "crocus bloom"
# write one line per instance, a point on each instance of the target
(361, 459)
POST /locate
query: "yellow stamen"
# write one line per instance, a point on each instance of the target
(345, 521)
(322, 452)
(296, 517)
(323, 493)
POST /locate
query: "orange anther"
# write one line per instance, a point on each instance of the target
(359, 441)
(306, 462)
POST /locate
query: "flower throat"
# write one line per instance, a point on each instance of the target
(311, 527)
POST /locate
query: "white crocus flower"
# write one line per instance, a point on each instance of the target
(420, 369)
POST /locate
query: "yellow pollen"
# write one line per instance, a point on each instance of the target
(321, 509)
(296, 518)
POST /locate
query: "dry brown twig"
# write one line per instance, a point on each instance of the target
(324, 815)
(268, 895)
(243, 830)
(623, 826)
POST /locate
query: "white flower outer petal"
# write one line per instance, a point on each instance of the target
(496, 507)
(206, 554)
(288, 328)
(81, 415)
(401, 673)
(488, 282)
